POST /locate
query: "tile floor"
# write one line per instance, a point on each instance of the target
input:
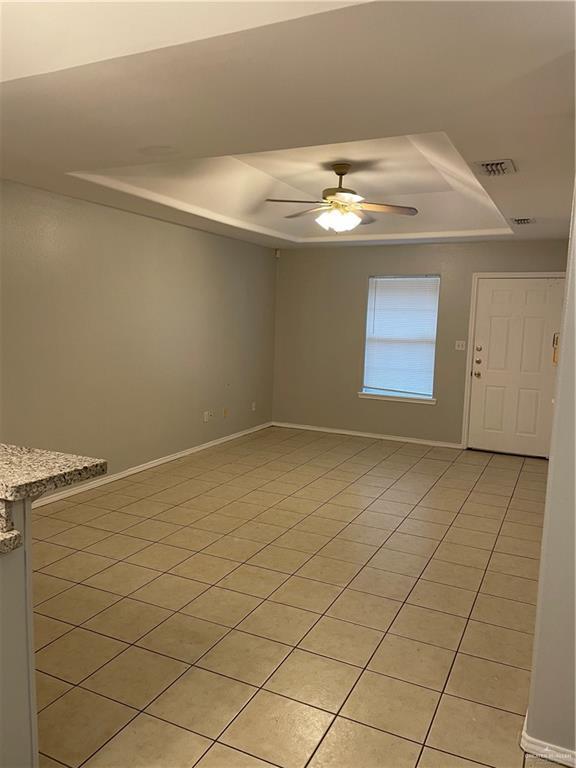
(291, 598)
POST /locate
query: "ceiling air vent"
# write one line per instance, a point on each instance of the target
(495, 167)
(523, 220)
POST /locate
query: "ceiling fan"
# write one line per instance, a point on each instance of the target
(342, 209)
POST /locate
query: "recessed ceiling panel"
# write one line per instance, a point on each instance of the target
(424, 170)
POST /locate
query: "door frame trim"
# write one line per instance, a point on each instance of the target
(476, 277)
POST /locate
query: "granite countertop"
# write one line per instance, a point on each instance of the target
(30, 472)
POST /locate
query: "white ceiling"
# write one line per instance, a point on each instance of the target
(496, 78)
(40, 37)
(424, 171)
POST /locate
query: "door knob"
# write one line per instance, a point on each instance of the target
(477, 374)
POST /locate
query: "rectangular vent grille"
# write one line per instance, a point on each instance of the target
(523, 220)
(495, 167)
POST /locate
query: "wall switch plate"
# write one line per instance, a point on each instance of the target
(206, 417)
(253, 406)
(460, 346)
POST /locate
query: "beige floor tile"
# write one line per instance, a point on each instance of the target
(364, 534)
(127, 620)
(202, 701)
(462, 555)
(180, 515)
(329, 570)
(77, 654)
(275, 621)
(79, 537)
(117, 546)
(259, 582)
(279, 559)
(404, 563)
(442, 597)
(511, 587)
(412, 661)
(122, 578)
(260, 532)
(422, 528)
(135, 677)
(233, 548)
(383, 583)
(76, 605)
(314, 680)
(438, 516)
(413, 545)
(47, 762)
(432, 758)
(159, 557)
(153, 530)
(498, 644)
(336, 512)
(243, 510)
(191, 538)
(145, 508)
(45, 527)
(342, 641)
(221, 756)
(282, 517)
(491, 683)
(45, 553)
(513, 565)
(320, 525)
(389, 507)
(147, 742)
(469, 538)
(76, 725)
(393, 705)
(302, 541)
(169, 591)
(474, 523)
(477, 732)
(350, 551)
(78, 566)
(505, 613)
(305, 593)
(47, 629)
(428, 626)
(277, 729)
(366, 609)
(245, 657)
(114, 522)
(48, 689)
(350, 744)
(205, 568)
(221, 606)
(183, 637)
(217, 523)
(453, 574)
(379, 520)
(511, 546)
(520, 531)
(45, 587)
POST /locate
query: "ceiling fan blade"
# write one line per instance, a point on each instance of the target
(305, 213)
(279, 200)
(367, 218)
(403, 210)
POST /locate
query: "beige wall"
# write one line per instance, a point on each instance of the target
(320, 323)
(551, 709)
(118, 331)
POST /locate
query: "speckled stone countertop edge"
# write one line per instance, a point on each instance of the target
(30, 472)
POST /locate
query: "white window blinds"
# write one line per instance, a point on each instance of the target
(401, 335)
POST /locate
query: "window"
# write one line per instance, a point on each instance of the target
(401, 337)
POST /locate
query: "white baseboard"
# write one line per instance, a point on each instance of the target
(105, 479)
(547, 751)
(374, 435)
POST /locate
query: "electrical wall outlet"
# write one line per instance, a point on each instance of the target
(253, 406)
(460, 346)
(225, 412)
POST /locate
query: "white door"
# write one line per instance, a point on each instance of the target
(513, 367)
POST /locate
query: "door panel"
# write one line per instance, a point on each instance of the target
(513, 373)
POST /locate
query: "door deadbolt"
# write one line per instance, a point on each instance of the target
(478, 348)
(477, 374)
(478, 361)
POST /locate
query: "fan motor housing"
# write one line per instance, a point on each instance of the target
(331, 191)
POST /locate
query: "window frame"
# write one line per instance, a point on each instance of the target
(368, 393)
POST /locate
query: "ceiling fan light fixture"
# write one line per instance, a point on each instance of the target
(338, 220)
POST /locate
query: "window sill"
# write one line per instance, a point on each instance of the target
(398, 398)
